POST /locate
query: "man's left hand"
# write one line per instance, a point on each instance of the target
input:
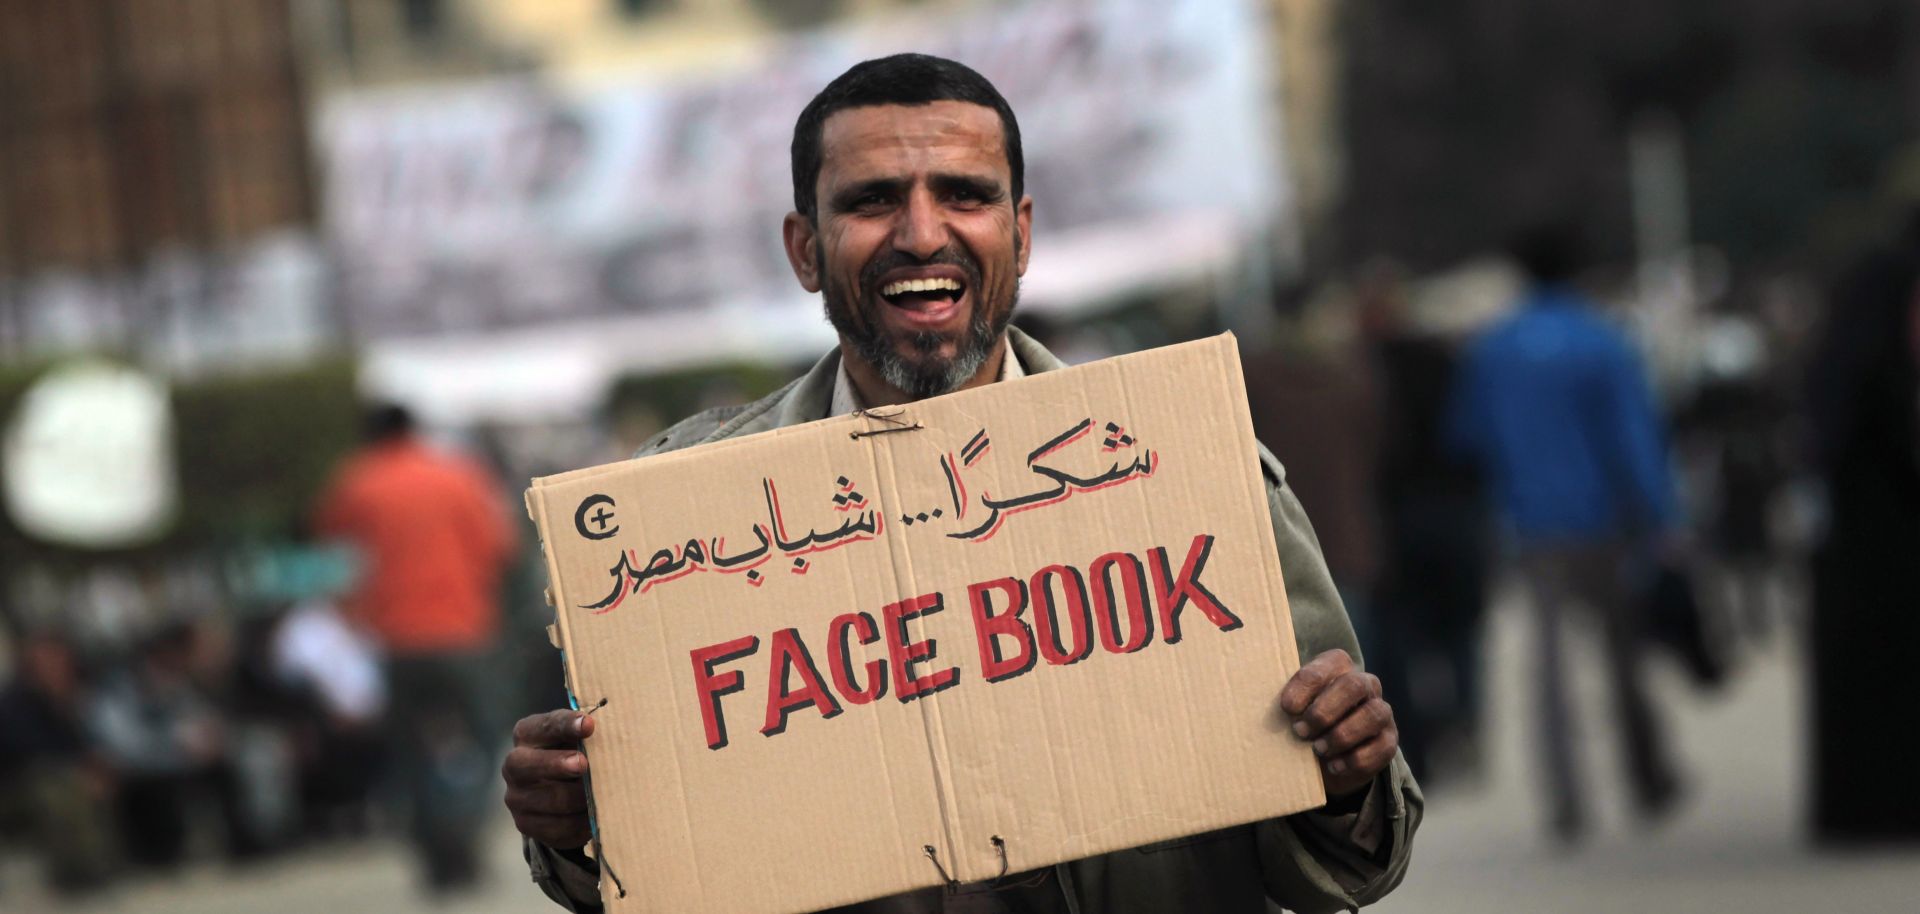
(1339, 708)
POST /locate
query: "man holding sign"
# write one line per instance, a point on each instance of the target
(911, 221)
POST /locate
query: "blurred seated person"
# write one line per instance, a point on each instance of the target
(168, 744)
(315, 651)
(55, 791)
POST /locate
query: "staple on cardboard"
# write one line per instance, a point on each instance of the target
(934, 856)
(892, 419)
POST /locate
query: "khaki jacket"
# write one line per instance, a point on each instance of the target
(1309, 863)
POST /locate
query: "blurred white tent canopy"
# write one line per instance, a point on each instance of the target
(89, 457)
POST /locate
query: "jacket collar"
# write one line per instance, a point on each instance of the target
(811, 397)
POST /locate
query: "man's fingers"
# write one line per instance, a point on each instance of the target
(562, 832)
(543, 772)
(1370, 719)
(1362, 763)
(552, 798)
(1332, 705)
(552, 730)
(526, 766)
(1340, 709)
(1312, 678)
(545, 792)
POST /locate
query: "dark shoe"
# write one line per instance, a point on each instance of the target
(1656, 802)
(1568, 828)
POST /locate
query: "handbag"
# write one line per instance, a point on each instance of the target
(1677, 624)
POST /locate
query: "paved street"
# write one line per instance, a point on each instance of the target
(1734, 847)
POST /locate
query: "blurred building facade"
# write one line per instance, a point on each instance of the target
(374, 41)
(262, 180)
(1306, 95)
(138, 125)
(1464, 124)
(130, 129)
(607, 175)
(381, 41)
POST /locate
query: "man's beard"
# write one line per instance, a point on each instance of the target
(931, 374)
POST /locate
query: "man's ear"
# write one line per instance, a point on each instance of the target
(801, 241)
(1023, 225)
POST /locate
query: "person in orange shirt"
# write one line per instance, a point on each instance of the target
(434, 538)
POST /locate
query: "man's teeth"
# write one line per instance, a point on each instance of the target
(919, 285)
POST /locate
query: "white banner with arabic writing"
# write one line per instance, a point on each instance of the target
(650, 211)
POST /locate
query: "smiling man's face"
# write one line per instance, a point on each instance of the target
(918, 247)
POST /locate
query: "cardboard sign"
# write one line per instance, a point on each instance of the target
(973, 635)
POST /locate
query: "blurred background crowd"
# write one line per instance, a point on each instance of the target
(1547, 305)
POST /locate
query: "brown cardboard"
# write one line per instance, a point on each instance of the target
(1082, 753)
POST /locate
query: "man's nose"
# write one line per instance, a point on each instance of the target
(921, 229)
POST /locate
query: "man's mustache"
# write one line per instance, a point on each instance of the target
(891, 260)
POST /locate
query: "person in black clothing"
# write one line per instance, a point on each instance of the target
(1865, 410)
(1738, 419)
(54, 790)
(167, 740)
(1432, 588)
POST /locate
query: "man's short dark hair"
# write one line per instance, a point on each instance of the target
(903, 79)
(385, 422)
(1549, 253)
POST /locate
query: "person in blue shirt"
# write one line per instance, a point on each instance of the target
(1554, 405)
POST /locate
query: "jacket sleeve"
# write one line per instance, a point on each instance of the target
(1314, 862)
(1631, 424)
(571, 879)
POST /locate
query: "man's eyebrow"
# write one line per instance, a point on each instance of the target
(985, 188)
(846, 196)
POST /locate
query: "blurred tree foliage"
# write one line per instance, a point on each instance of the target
(254, 451)
(1465, 120)
(15, 379)
(668, 397)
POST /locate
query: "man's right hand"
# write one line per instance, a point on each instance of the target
(544, 772)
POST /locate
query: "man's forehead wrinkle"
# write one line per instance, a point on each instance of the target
(892, 140)
(902, 175)
(900, 148)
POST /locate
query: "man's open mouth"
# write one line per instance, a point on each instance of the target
(923, 295)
